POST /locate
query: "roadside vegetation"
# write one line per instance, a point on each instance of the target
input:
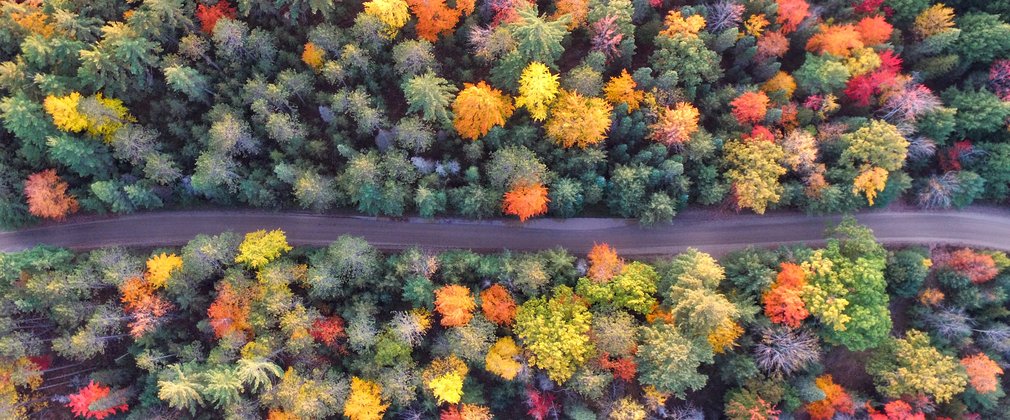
(479, 109)
(245, 326)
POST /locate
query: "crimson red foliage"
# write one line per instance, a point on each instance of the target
(209, 15)
(328, 330)
(81, 402)
(860, 89)
(952, 158)
(760, 133)
(541, 403)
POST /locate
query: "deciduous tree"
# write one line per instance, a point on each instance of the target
(261, 247)
(94, 401)
(621, 89)
(556, 332)
(577, 120)
(365, 401)
(392, 13)
(497, 305)
(209, 15)
(750, 107)
(754, 170)
(912, 366)
(526, 201)
(434, 17)
(675, 126)
(537, 90)
(478, 108)
(455, 304)
(47, 196)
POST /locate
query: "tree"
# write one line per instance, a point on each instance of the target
(47, 196)
(536, 38)
(537, 90)
(180, 389)
(160, 267)
(455, 304)
(874, 30)
(983, 373)
(632, 289)
(556, 332)
(621, 89)
(430, 95)
(392, 13)
(911, 366)
(836, 40)
(209, 15)
(604, 263)
(750, 107)
(434, 17)
(478, 108)
(329, 330)
(229, 314)
(754, 170)
(870, 182)
(835, 400)
(526, 201)
(821, 74)
(978, 267)
(578, 121)
(347, 265)
(675, 126)
(906, 271)
(497, 305)
(786, 351)
(875, 145)
(365, 401)
(501, 358)
(94, 401)
(444, 378)
(783, 301)
(791, 14)
(669, 361)
(313, 56)
(261, 247)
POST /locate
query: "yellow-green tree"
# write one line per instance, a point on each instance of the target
(98, 115)
(556, 332)
(754, 170)
(537, 89)
(577, 120)
(365, 401)
(261, 247)
(912, 366)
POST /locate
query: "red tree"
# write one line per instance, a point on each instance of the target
(541, 403)
(47, 196)
(980, 268)
(896, 410)
(835, 400)
(526, 201)
(874, 30)
(328, 330)
(93, 401)
(622, 367)
(209, 15)
(791, 13)
(433, 18)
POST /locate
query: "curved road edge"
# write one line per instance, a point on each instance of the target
(708, 231)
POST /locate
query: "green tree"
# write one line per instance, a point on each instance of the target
(431, 96)
(347, 265)
(669, 361)
(821, 74)
(980, 113)
(633, 289)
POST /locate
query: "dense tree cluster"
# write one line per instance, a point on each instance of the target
(629, 107)
(247, 327)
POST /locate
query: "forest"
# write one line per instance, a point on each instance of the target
(519, 108)
(241, 327)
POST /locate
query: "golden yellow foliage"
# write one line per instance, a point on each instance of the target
(677, 24)
(313, 56)
(578, 121)
(937, 19)
(781, 81)
(34, 22)
(478, 108)
(755, 25)
(444, 378)
(364, 402)
(392, 13)
(537, 89)
(500, 359)
(160, 268)
(64, 112)
(621, 89)
(870, 182)
(724, 336)
(261, 247)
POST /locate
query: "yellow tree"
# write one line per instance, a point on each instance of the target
(537, 89)
(261, 247)
(63, 110)
(160, 268)
(621, 89)
(870, 182)
(313, 56)
(100, 116)
(478, 108)
(365, 401)
(577, 120)
(444, 378)
(392, 13)
(754, 170)
(501, 358)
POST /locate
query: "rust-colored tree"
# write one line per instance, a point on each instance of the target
(498, 305)
(836, 400)
(978, 267)
(604, 263)
(623, 368)
(455, 304)
(144, 307)
(783, 302)
(874, 30)
(434, 17)
(675, 126)
(209, 15)
(229, 314)
(837, 40)
(791, 13)
(526, 201)
(47, 196)
(750, 107)
(329, 331)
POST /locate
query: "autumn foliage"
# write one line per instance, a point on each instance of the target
(313, 56)
(621, 89)
(896, 410)
(47, 196)
(874, 30)
(209, 15)
(623, 368)
(478, 108)
(604, 263)
(434, 17)
(791, 13)
(83, 403)
(674, 126)
(142, 304)
(835, 400)
(364, 401)
(577, 120)
(783, 302)
(983, 373)
(837, 40)
(160, 267)
(229, 314)
(498, 305)
(455, 304)
(526, 201)
(328, 330)
(978, 267)
(750, 107)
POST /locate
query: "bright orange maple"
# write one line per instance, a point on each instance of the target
(983, 373)
(143, 306)
(835, 400)
(874, 30)
(47, 196)
(478, 108)
(604, 263)
(750, 107)
(837, 40)
(783, 303)
(434, 17)
(229, 314)
(791, 13)
(526, 201)
(455, 304)
(498, 305)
